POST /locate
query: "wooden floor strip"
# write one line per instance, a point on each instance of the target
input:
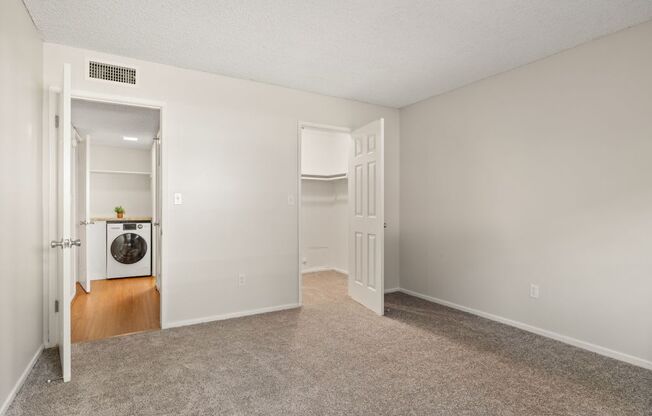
(115, 307)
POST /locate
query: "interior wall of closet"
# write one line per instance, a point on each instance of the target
(120, 176)
(324, 200)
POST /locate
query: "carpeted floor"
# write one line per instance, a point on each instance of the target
(333, 357)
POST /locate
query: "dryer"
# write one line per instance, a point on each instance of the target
(128, 249)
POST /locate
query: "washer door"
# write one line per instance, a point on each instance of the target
(128, 248)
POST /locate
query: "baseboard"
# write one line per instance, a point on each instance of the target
(393, 290)
(175, 324)
(21, 381)
(315, 270)
(324, 269)
(637, 361)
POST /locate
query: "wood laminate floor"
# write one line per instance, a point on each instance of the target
(115, 307)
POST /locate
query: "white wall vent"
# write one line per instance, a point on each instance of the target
(110, 72)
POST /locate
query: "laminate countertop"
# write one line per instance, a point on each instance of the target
(123, 219)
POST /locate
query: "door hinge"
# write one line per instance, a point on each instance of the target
(56, 306)
(56, 122)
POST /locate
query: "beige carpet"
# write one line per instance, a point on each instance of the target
(333, 357)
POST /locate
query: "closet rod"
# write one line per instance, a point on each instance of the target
(324, 177)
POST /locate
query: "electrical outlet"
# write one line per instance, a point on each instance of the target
(178, 198)
(242, 279)
(534, 291)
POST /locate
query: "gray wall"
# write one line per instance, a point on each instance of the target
(539, 175)
(21, 261)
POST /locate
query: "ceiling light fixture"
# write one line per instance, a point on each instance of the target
(130, 139)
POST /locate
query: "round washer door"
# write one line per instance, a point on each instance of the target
(128, 248)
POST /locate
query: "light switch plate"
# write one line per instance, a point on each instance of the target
(178, 198)
(534, 291)
(291, 199)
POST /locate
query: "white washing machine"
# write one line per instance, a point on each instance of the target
(128, 249)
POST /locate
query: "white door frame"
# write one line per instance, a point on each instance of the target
(83, 223)
(74, 180)
(300, 127)
(50, 198)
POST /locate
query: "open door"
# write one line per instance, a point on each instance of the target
(156, 210)
(64, 223)
(366, 216)
(83, 212)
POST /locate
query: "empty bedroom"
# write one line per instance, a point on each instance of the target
(326, 207)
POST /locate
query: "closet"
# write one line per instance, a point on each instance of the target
(119, 176)
(115, 203)
(114, 154)
(324, 200)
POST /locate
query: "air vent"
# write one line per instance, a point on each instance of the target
(113, 73)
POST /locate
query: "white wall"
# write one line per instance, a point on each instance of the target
(230, 147)
(539, 175)
(21, 248)
(133, 192)
(324, 224)
(324, 153)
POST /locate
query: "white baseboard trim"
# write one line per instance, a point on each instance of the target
(324, 269)
(315, 269)
(393, 290)
(21, 380)
(175, 324)
(637, 361)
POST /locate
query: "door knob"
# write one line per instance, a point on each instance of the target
(55, 243)
(76, 242)
(64, 243)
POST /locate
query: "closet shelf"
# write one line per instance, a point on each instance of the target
(324, 177)
(120, 172)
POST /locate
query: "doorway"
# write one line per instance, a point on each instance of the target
(114, 196)
(61, 215)
(324, 225)
(341, 216)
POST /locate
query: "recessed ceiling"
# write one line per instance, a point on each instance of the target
(390, 52)
(107, 124)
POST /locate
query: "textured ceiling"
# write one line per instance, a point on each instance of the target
(107, 123)
(390, 52)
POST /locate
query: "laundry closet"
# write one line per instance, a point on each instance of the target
(120, 177)
(324, 200)
(116, 166)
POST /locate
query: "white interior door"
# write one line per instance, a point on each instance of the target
(64, 223)
(74, 195)
(84, 186)
(366, 216)
(156, 215)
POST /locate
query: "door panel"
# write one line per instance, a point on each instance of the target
(83, 220)
(64, 220)
(156, 210)
(366, 219)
